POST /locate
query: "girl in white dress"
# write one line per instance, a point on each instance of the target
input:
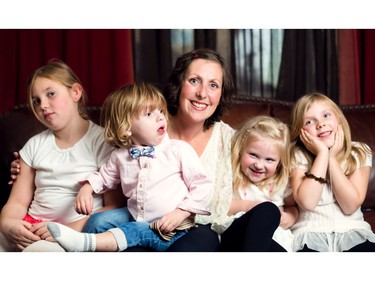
(330, 175)
(261, 162)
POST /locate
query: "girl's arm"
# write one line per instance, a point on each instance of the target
(289, 214)
(307, 191)
(13, 212)
(349, 192)
(113, 199)
(239, 205)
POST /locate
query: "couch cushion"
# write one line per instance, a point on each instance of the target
(360, 119)
(241, 111)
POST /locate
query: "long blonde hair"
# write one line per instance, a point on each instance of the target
(297, 121)
(124, 103)
(255, 129)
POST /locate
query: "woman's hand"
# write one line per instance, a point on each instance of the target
(14, 168)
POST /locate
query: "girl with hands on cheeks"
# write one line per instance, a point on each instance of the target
(261, 163)
(330, 174)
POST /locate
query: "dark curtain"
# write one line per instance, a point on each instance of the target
(349, 66)
(153, 52)
(256, 57)
(308, 63)
(152, 55)
(102, 59)
(368, 63)
(339, 63)
(356, 66)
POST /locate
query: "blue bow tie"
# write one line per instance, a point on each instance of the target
(148, 151)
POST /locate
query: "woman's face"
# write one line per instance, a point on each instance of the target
(201, 90)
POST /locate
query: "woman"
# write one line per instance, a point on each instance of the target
(198, 93)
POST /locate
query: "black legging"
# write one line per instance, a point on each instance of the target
(199, 239)
(253, 231)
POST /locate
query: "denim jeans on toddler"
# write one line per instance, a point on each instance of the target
(136, 233)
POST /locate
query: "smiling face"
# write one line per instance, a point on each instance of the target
(201, 90)
(321, 122)
(149, 127)
(260, 159)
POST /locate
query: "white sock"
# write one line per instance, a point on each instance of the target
(120, 237)
(72, 240)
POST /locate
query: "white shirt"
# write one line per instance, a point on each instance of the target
(58, 172)
(327, 228)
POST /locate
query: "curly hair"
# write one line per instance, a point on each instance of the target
(124, 103)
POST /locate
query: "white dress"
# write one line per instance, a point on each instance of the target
(327, 228)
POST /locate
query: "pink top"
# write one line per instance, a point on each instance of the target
(174, 178)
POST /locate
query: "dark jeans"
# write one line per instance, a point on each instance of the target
(199, 239)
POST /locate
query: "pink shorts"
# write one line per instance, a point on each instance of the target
(31, 220)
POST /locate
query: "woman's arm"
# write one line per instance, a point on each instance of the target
(14, 168)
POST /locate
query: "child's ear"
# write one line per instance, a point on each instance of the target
(76, 91)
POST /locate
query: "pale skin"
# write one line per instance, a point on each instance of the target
(200, 95)
(56, 107)
(322, 134)
(201, 90)
(147, 129)
(259, 161)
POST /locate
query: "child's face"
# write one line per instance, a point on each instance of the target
(321, 122)
(53, 102)
(260, 159)
(149, 127)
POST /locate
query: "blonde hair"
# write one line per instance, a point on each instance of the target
(59, 72)
(297, 121)
(124, 103)
(255, 129)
